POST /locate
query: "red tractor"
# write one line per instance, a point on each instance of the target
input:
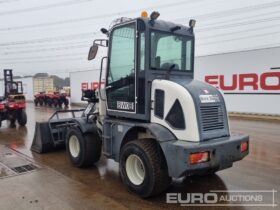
(39, 98)
(12, 105)
(63, 99)
(55, 99)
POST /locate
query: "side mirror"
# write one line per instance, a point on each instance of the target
(92, 52)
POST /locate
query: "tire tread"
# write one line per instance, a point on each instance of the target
(158, 163)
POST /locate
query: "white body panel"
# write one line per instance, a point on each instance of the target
(172, 92)
(101, 105)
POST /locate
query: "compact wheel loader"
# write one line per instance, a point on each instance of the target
(150, 116)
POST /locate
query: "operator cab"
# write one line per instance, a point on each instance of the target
(141, 50)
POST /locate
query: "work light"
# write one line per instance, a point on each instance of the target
(192, 23)
(154, 15)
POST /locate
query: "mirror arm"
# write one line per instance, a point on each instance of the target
(99, 42)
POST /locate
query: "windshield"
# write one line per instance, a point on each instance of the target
(168, 49)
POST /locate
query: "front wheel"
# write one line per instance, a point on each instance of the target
(36, 102)
(49, 102)
(66, 102)
(83, 149)
(12, 122)
(143, 168)
(55, 102)
(22, 117)
(41, 102)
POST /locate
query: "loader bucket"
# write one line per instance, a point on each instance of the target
(42, 141)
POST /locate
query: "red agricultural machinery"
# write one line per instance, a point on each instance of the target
(12, 104)
(55, 99)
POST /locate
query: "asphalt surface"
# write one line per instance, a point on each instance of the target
(58, 185)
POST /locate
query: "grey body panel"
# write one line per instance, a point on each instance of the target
(197, 88)
(115, 131)
(223, 152)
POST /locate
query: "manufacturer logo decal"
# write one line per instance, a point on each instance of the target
(209, 98)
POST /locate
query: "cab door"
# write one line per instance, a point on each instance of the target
(121, 72)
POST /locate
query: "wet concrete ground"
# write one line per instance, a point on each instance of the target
(58, 185)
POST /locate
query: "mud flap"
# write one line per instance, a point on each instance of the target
(42, 141)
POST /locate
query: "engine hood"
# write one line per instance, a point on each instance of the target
(210, 108)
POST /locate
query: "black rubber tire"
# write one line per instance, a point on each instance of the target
(49, 101)
(36, 102)
(12, 123)
(156, 178)
(45, 101)
(66, 102)
(90, 148)
(60, 102)
(41, 102)
(22, 117)
(55, 102)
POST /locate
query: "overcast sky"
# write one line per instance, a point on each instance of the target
(54, 36)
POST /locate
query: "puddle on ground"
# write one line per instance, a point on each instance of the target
(13, 163)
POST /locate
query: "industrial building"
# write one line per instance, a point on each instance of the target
(43, 84)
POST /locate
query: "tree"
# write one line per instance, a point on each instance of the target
(41, 75)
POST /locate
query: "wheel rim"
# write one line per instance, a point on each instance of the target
(74, 146)
(135, 169)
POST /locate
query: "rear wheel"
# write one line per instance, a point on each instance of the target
(60, 103)
(41, 102)
(55, 102)
(22, 117)
(49, 101)
(83, 149)
(12, 122)
(36, 102)
(143, 168)
(66, 102)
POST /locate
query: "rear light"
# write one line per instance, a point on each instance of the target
(199, 157)
(244, 147)
(21, 105)
(13, 105)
